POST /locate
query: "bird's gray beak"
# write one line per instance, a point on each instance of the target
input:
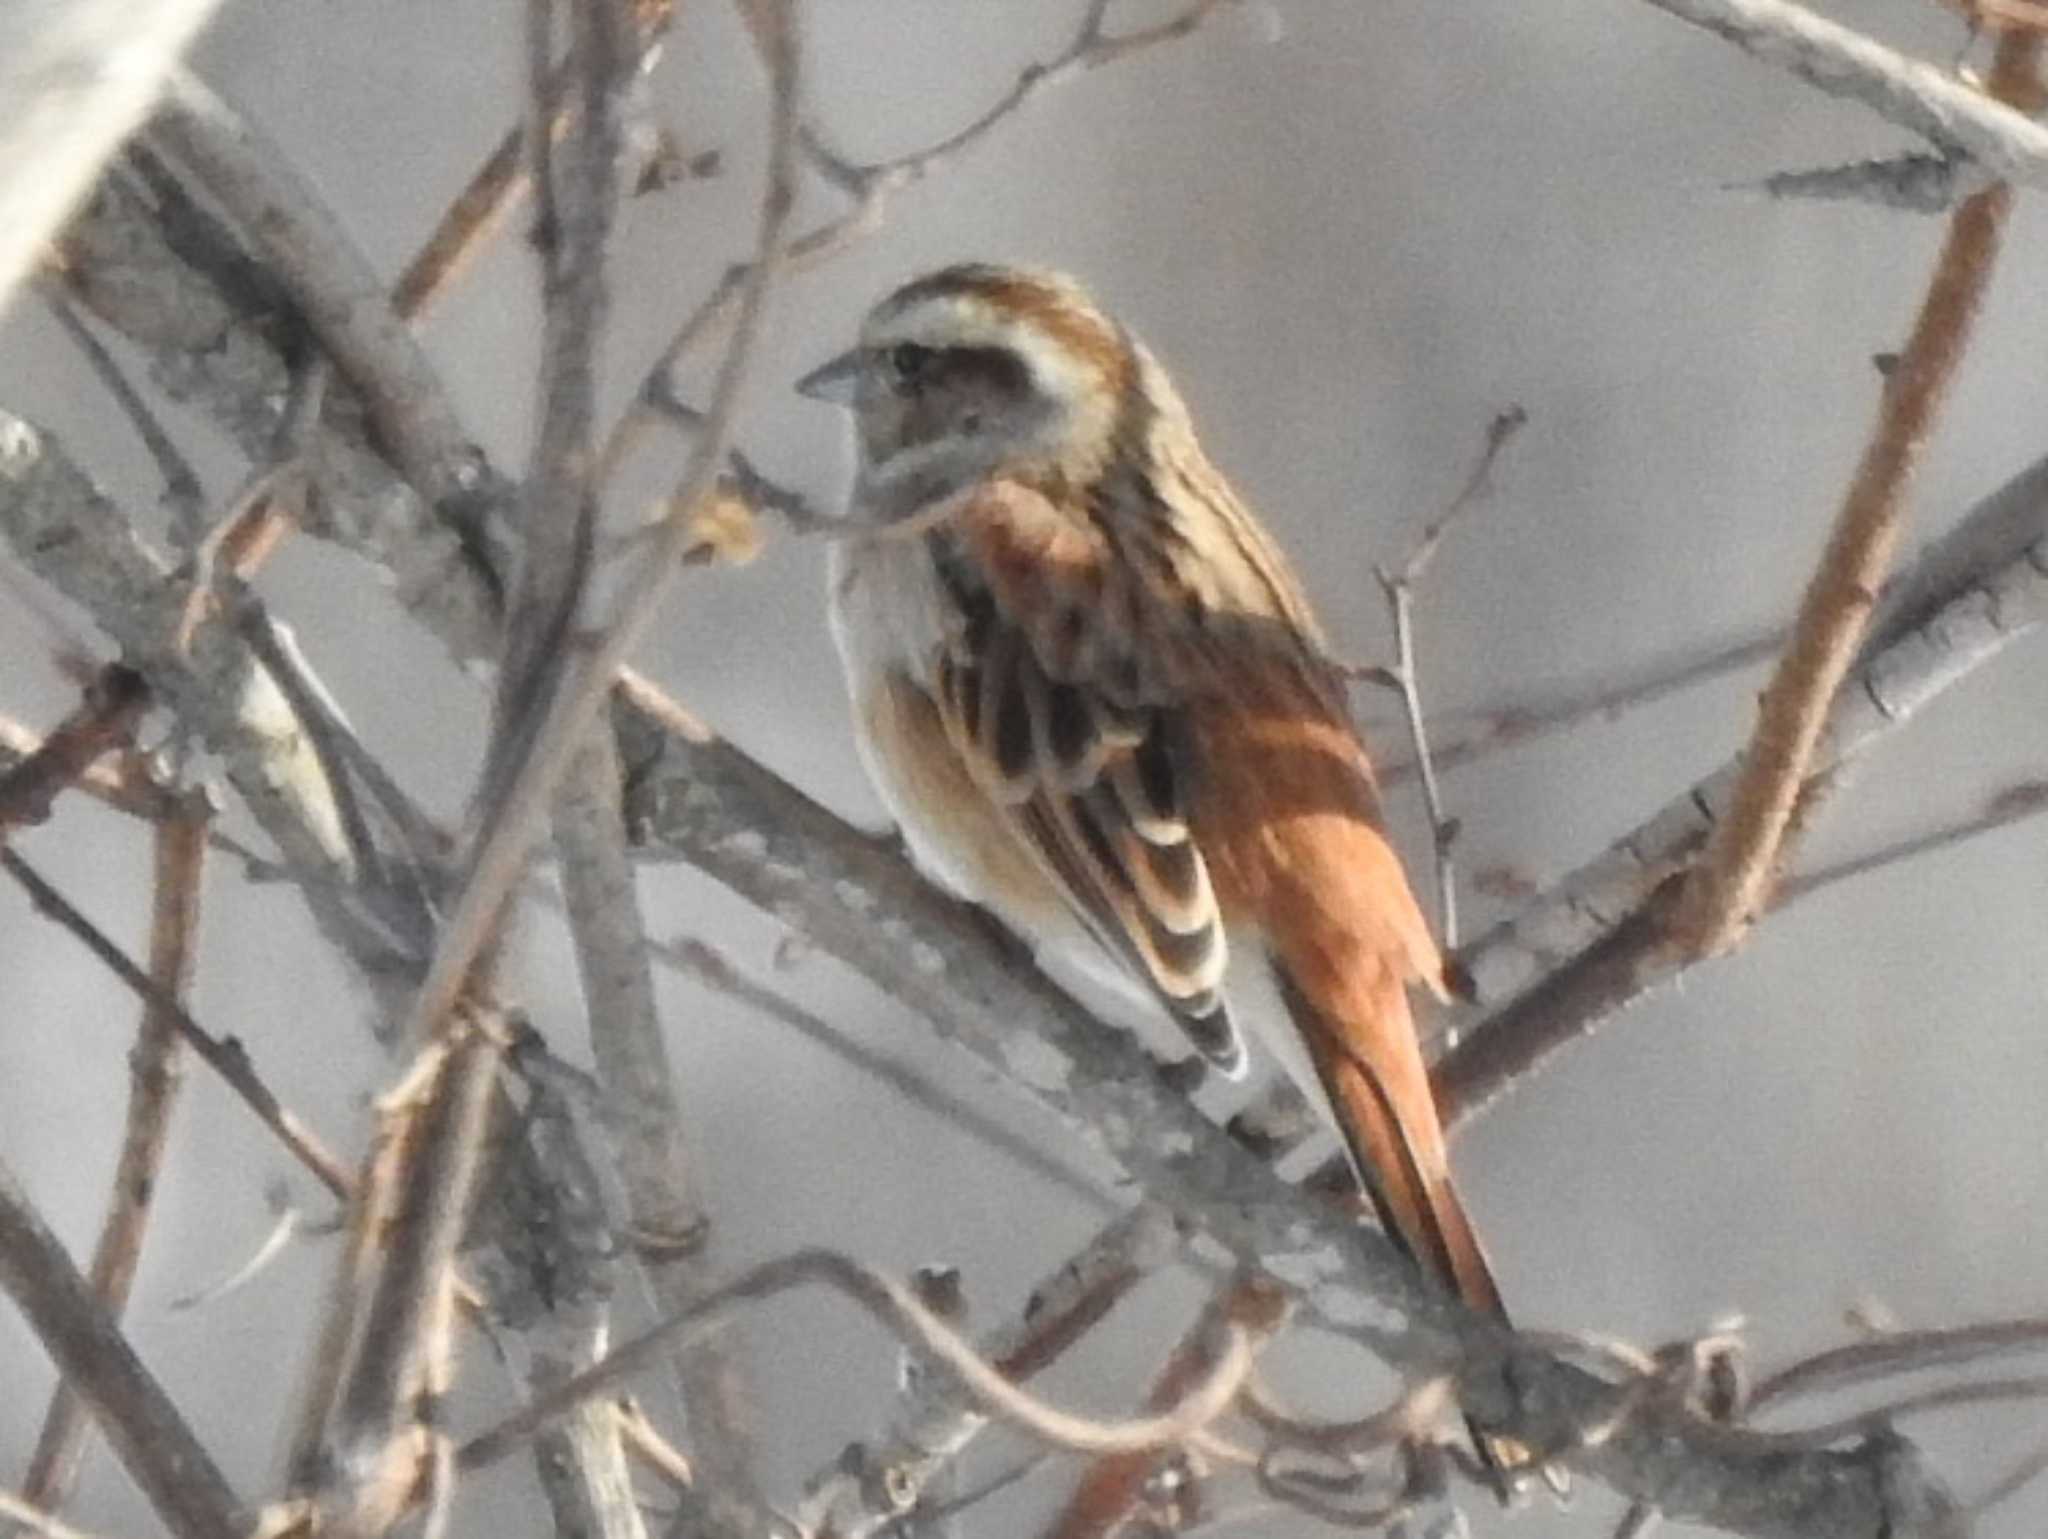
(833, 382)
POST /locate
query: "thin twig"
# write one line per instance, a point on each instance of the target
(645, 1443)
(154, 1077)
(1465, 737)
(874, 1482)
(126, 782)
(871, 185)
(707, 965)
(1898, 1352)
(1949, 1397)
(153, 1442)
(182, 491)
(238, 542)
(1398, 587)
(494, 192)
(37, 1521)
(898, 1310)
(2003, 808)
(503, 844)
(284, 1228)
(2010, 1484)
(1110, 1491)
(224, 1055)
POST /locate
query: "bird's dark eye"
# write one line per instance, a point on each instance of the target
(909, 359)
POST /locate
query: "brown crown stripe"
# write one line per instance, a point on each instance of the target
(1062, 313)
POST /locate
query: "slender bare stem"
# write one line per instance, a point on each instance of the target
(225, 1056)
(155, 1074)
(152, 1441)
(1112, 1489)
(1399, 589)
(1735, 874)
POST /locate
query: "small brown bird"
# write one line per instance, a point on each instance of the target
(1090, 689)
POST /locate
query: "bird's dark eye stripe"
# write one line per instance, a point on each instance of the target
(909, 359)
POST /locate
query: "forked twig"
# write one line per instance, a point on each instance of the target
(871, 185)
(1398, 587)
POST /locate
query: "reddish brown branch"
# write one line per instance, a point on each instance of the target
(106, 719)
(1113, 1490)
(1734, 877)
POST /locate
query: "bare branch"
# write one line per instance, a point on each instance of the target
(1112, 1489)
(72, 536)
(1736, 871)
(154, 1076)
(879, 1480)
(665, 1206)
(1919, 184)
(898, 1309)
(1949, 113)
(106, 718)
(152, 1441)
(710, 967)
(34, 1520)
(225, 1056)
(1465, 737)
(182, 491)
(1589, 944)
(381, 1419)
(1399, 589)
(331, 284)
(503, 844)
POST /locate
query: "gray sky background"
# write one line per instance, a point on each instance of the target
(1352, 245)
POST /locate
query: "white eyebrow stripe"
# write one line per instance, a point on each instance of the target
(968, 320)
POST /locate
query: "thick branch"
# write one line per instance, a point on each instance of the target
(1740, 864)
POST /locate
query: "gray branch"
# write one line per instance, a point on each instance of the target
(1945, 110)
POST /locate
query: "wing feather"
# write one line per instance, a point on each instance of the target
(1047, 702)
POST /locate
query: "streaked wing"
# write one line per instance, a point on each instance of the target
(1077, 743)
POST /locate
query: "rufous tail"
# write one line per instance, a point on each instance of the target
(1391, 1131)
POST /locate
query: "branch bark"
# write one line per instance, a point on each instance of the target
(1945, 110)
(1740, 864)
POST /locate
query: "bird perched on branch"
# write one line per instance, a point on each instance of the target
(1090, 688)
